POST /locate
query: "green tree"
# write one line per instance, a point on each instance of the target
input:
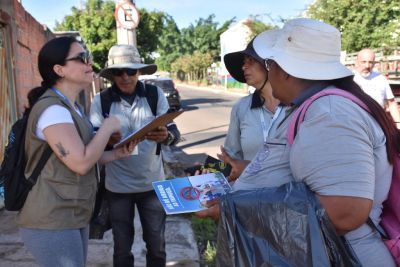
(149, 30)
(169, 45)
(192, 67)
(363, 23)
(96, 24)
(257, 26)
(203, 36)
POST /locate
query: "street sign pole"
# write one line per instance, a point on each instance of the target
(127, 19)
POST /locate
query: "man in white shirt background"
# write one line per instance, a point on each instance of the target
(375, 84)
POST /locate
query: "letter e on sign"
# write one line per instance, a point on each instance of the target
(126, 16)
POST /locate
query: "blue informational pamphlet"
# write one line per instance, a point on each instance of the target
(189, 194)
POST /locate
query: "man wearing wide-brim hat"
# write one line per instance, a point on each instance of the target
(129, 181)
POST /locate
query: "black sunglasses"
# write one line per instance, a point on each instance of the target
(119, 72)
(83, 57)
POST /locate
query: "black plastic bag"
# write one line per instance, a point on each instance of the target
(280, 226)
(100, 221)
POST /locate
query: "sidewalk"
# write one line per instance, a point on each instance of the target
(181, 245)
(216, 89)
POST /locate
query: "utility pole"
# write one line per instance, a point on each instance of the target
(127, 18)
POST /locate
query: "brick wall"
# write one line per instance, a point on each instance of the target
(30, 36)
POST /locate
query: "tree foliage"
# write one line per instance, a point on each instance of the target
(256, 26)
(363, 23)
(189, 51)
(169, 45)
(192, 67)
(96, 25)
(203, 36)
(148, 33)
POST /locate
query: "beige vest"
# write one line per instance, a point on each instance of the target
(60, 199)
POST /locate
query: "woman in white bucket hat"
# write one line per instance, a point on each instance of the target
(343, 153)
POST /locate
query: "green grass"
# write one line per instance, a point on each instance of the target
(205, 231)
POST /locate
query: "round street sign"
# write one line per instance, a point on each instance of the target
(126, 16)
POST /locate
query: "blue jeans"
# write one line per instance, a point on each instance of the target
(152, 218)
(61, 248)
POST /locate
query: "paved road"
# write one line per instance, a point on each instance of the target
(205, 123)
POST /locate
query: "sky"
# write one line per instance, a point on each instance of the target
(184, 12)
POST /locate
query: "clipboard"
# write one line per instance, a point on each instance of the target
(159, 121)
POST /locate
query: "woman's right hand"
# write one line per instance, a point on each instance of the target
(212, 210)
(112, 123)
(237, 165)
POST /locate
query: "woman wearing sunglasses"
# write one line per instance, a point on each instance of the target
(54, 219)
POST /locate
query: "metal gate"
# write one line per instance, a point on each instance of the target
(8, 110)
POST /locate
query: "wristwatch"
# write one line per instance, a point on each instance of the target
(169, 139)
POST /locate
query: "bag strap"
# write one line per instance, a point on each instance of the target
(39, 167)
(379, 230)
(299, 114)
(151, 92)
(152, 97)
(106, 101)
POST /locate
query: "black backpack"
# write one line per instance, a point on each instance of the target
(16, 185)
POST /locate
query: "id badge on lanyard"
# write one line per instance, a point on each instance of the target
(266, 129)
(257, 163)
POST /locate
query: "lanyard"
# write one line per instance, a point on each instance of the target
(55, 90)
(264, 127)
(77, 109)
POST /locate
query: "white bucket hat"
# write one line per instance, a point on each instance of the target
(125, 57)
(306, 49)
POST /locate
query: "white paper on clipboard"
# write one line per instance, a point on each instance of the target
(159, 121)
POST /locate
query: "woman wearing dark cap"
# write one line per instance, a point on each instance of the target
(252, 116)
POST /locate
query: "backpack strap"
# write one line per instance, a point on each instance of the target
(152, 97)
(300, 113)
(39, 167)
(151, 93)
(106, 100)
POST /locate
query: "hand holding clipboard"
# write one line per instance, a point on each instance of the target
(149, 127)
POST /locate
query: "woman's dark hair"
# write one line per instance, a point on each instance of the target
(386, 122)
(52, 53)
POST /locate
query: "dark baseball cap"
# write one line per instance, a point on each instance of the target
(234, 61)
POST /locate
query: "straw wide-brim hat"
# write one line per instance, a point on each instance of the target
(125, 56)
(234, 61)
(306, 49)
